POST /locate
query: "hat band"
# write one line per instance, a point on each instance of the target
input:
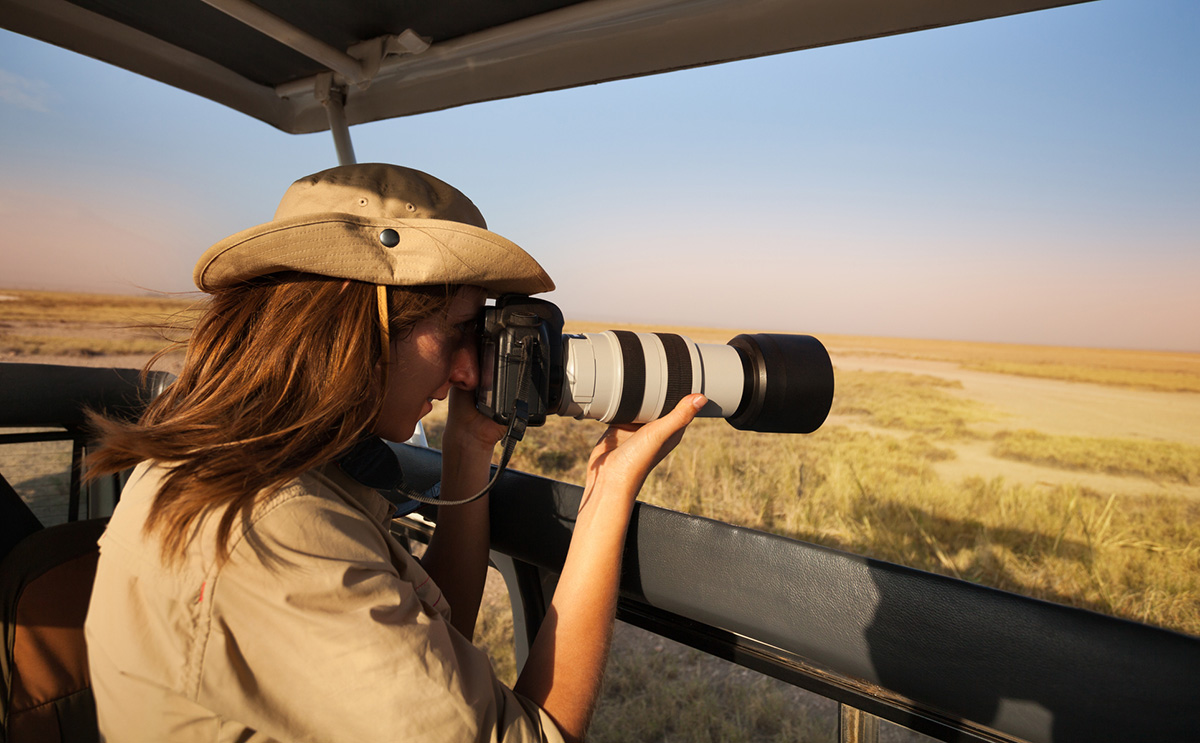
(384, 332)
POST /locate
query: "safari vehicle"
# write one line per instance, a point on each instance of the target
(947, 658)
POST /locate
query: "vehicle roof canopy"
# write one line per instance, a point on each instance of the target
(279, 60)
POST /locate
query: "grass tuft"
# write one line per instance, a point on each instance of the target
(678, 694)
(1157, 460)
(908, 402)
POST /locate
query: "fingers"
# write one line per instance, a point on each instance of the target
(466, 426)
(666, 427)
(461, 401)
(635, 450)
(686, 410)
(667, 431)
(681, 415)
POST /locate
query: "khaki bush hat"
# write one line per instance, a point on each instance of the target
(383, 224)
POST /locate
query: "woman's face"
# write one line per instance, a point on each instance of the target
(439, 352)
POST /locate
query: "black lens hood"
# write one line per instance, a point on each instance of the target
(789, 383)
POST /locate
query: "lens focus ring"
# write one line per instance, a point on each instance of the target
(679, 370)
(634, 386)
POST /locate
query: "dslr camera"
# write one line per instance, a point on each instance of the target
(758, 382)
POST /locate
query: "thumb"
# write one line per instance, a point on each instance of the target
(685, 410)
(665, 433)
(688, 408)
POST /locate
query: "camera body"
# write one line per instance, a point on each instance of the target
(767, 382)
(520, 359)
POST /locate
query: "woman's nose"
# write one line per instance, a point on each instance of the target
(464, 369)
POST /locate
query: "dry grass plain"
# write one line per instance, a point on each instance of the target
(91, 329)
(1067, 474)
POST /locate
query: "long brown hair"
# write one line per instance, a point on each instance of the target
(281, 375)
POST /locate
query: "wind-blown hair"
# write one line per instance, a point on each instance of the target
(281, 375)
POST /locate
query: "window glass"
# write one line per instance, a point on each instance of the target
(40, 472)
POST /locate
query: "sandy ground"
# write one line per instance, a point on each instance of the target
(1055, 407)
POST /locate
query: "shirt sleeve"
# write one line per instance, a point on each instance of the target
(313, 634)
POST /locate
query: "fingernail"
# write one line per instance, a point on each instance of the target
(699, 401)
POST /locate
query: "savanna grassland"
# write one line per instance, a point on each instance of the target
(1066, 474)
(39, 325)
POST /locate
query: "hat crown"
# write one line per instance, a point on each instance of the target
(378, 190)
(378, 223)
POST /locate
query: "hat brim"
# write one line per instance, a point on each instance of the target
(428, 252)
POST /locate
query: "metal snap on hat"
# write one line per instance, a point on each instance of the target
(383, 224)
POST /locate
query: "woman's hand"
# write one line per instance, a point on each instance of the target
(625, 454)
(466, 428)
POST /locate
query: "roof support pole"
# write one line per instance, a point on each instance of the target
(285, 33)
(335, 108)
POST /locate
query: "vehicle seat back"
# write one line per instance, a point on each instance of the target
(45, 586)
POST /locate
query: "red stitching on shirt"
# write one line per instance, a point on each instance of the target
(439, 598)
(201, 596)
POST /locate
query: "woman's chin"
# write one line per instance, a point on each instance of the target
(397, 433)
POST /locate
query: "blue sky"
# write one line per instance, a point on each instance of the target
(1030, 179)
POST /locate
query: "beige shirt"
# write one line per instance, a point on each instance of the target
(319, 627)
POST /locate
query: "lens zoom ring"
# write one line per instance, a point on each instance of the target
(634, 363)
(679, 370)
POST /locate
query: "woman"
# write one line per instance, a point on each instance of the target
(248, 586)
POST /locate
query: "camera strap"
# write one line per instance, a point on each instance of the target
(518, 421)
